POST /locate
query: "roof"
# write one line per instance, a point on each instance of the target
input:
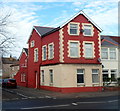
(89, 19)
(115, 40)
(43, 31)
(26, 50)
(9, 60)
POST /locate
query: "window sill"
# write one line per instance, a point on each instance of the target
(80, 84)
(74, 34)
(89, 58)
(74, 57)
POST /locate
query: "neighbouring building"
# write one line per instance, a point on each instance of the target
(7, 70)
(110, 52)
(64, 59)
(21, 76)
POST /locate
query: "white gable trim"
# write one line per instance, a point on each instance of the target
(23, 51)
(32, 31)
(81, 12)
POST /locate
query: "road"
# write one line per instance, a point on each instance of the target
(17, 101)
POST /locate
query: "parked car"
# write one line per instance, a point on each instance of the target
(9, 83)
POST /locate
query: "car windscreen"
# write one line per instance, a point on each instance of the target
(12, 80)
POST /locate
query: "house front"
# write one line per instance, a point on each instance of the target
(67, 58)
(110, 57)
(71, 56)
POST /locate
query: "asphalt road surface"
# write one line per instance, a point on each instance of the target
(13, 101)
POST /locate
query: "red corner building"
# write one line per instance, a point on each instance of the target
(63, 59)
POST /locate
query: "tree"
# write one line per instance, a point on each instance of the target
(6, 37)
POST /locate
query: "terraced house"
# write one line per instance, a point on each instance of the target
(66, 58)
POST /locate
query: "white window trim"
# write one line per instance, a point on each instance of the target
(69, 49)
(98, 76)
(93, 56)
(78, 30)
(43, 52)
(115, 53)
(92, 33)
(107, 51)
(23, 75)
(42, 76)
(51, 83)
(79, 84)
(35, 59)
(32, 43)
(49, 51)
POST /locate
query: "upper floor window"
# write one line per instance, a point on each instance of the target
(74, 49)
(32, 43)
(95, 77)
(44, 52)
(35, 54)
(51, 51)
(74, 28)
(88, 29)
(108, 53)
(80, 75)
(112, 53)
(88, 50)
(104, 53)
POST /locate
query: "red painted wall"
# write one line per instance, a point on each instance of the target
(22, 69)
(34, 67)
(54, 37)
(81, 19)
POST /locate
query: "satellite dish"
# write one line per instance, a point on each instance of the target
(99, 60)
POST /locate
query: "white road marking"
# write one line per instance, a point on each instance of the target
(112, 101)
(75, 104)
(31, 97)
(47, 96)
(46, 106)
(24, 98)
(90, 102)
(22, 95)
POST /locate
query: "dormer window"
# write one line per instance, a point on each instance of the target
(32, 43)
(74, 28)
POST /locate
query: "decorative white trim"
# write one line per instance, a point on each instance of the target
(35, 59)
(49, 51)
(32, 43)
(61, 45)
(78, 30)
(93, 49)
(43, 52)
(69, 48)
(82, 13)
(99, 43)
(92, 33)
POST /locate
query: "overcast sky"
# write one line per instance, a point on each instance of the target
(52, 14)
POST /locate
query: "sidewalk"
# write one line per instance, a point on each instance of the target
(44, 93)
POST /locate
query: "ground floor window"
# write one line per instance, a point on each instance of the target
(80, 75)
(51, 75)
(105, 75)
(23, 77)
(42, 75)
(95, 77)
(113, 74)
